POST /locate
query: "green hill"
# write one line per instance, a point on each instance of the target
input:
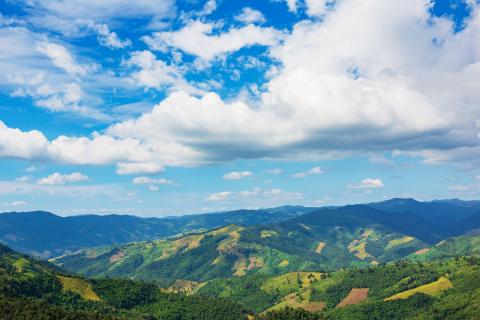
(46, 235)
(323, 240)
(31, 289)
(400, 290)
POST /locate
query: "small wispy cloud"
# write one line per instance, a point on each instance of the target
(368, 183)
(151, 181)
(218, 196)
(236, 175)
(312, 171)
(274, 171)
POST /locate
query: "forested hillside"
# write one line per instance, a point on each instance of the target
(327, 239)
(31, 289)
(46, 235)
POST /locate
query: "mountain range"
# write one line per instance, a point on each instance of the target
(325, 239)
(396, 259)
(44, 234)
(47, 235)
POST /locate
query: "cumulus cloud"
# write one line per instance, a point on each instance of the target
(236, 175)
(198, 38)
(317, 7)
(249, 15)
(138, 167)
(59, 179)
(219, 196)
(15, 143)
(153, 73)
(151, 181)
(368, 183)
(353, 82)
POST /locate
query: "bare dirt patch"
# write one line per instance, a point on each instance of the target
(355, 296)
(422, 251)
(117, 257)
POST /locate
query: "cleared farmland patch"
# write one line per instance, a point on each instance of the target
(396, 242)
(299, 300)
(431, 289)
(76, 285)
(320, 247)
(356, 295)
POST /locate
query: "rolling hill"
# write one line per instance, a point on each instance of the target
(46, 235)
(31, 289)
(325, 239)
(400, 290)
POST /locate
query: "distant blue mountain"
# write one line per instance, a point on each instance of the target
(47, 235)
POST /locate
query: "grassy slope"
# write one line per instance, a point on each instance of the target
(453, 286)
(39, 290)
(240, 251)
(79, 286)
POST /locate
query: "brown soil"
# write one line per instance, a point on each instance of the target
(355, 296)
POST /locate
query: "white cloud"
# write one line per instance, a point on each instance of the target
(151, 181)
(317, 7)
(219, 196)
(198, 38)
(36, 67)
(459, 188)
(292, 5)
(209, 7)
(314, 170)
(138, 167)
(18, 203)
(62, 58)
(153, 73)
(299, 175)
(368, 183)
(236, 175)
(275, 171)
(354, 82)
(249, 15)
(24, 179)
(60, 179)
(33, 169)
(62, 16)
(15, 143)
(109, 38)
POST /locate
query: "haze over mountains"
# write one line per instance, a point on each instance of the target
(46, 235)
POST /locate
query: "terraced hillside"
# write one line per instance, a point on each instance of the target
(324, 240)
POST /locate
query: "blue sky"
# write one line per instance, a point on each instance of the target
(170, 107)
